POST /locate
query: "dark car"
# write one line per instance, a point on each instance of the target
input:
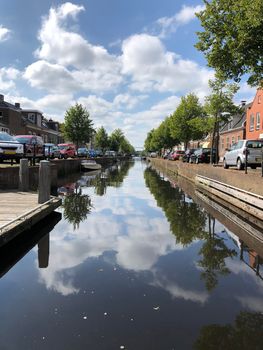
(176, 155)
(202, 155)
(187, 154)
(82, 152)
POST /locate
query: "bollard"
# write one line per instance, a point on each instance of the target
(44, 182)
(23, 175)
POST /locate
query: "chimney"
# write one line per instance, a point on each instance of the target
(17, 105)
(2, 98)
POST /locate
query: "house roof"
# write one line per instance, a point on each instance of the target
(7, 105)
(236, 121)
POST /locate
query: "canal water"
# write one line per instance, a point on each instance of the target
(130, 261)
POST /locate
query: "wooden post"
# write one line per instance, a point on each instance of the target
(44, 182)
(23, 176)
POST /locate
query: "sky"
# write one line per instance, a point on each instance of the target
(127, 62)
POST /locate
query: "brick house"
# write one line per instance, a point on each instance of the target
(233, 131)
(17, 121)
(254, 127)
(10, 117)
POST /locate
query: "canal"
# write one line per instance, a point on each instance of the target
(130, 261)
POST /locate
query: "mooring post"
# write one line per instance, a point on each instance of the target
(23, 176)
(44, 182)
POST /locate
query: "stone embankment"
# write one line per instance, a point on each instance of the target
(9, 176)
(251, 182)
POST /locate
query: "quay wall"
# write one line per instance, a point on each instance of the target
(9, 176)
(252, 181)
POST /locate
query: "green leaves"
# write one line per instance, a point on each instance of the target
(232, 38)
(78, 126)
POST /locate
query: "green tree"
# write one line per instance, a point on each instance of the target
(116, 139)
(181, 122)
(101, 139)
(148, 141)
(232, 38)
(219, 106)
(78, 126)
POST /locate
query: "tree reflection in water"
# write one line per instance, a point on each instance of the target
(214, 252)
(188, 223)
(111, 177)
(77, 206)
(245, 334)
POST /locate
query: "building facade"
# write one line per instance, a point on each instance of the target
(17, 121)
(254, 126)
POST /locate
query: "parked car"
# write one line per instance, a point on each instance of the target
(92, 153)
(82, 152)
(110, 154)
(153, 154)
(67, 150)
(202, 155)
(51, 150)
(187, 154)
(166, 155)
(10, 148)
(236, 155)
(176, 155)
(33, 145)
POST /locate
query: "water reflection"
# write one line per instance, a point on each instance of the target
(12, 252)
(111, 177)
(76, 206)
(214, 253)
(187, 220)
(246, 333)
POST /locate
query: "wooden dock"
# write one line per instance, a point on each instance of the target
(19, 211)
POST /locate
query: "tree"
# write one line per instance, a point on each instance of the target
(232, 38)
(116, 138)
(78, 126)
(220, 106)
(101, 139)
(181, 122)
(148, 141)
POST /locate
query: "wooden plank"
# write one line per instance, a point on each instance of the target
(233, 191)
(256, 233)
(244, 206)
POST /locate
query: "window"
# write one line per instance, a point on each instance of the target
(223, 144)
(31, 117)
(227, 142)
(233, 140)
(259, 99)
(238, 138)
(252, 121)
(1, 114)
(4, 129)
(258, 121)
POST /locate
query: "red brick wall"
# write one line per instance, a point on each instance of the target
(254, 129)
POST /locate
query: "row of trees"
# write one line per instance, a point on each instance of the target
(78, 128)
(231, 41)
(193, 121)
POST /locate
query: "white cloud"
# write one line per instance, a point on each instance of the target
(66, 47)
(152, 67)
(52, 77)
(4, 33)
(184, 16)
(8, 77)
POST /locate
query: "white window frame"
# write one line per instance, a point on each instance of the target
(252, 122)
(257, 121)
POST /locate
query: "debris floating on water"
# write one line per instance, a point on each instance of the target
(156, 308)
(85, 317)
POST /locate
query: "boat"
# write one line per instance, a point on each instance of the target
(90, 165)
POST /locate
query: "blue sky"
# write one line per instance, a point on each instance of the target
(128, 62)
